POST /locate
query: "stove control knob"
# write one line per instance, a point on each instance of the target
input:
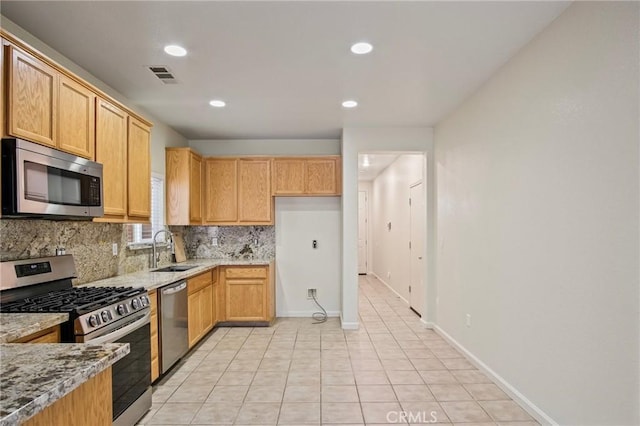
(135, 304)
(120, 310)
(105, 316)
(144, 300)
(93, 321)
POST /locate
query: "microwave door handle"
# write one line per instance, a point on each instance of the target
(121, 332)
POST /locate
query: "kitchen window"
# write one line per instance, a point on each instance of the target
(141, 234)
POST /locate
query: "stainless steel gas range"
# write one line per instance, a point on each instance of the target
(96, 315)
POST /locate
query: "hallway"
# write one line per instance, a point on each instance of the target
(296, 372)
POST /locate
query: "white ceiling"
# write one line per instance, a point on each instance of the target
(284, 67)
(376, 164)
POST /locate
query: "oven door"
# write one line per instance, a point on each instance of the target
(131, 376)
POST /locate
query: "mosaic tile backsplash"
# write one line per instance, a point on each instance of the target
(91, 245)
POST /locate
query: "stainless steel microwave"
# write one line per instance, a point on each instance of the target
(38, 181)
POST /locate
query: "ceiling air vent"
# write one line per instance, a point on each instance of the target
(163, 73)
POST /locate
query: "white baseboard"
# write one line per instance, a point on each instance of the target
(390, 288)
(290, 314)
(348, 325)
(529, 406)
(427, 324)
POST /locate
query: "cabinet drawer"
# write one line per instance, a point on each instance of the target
(49, 335)
(199, 282)
(241, 272)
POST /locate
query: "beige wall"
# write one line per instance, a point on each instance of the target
(538, 225)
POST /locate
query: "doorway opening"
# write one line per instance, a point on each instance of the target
(392, 223)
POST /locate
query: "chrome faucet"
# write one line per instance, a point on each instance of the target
(155, 255)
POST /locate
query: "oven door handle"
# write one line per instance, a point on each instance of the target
(121, 332)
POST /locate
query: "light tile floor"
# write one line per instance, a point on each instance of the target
(300, 373)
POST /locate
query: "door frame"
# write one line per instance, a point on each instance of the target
(423, 264)
(366, 227)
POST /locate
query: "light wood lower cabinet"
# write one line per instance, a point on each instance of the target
(200, 304)
(249, 293)
(89, 404)
(155, 341)
(49, 335)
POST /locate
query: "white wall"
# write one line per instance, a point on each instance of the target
(161, 135)
(390, 203)
(299, 221)
(538, 225)
(288, 147)
(355, 140)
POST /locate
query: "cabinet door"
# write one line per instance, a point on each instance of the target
(155, 359)
(111, 151)
(288, 176)
(245, 299)
(195, 189)
(76, 118)
(322, 176)
(177, 185)
(194, 320)
(206, 309)
(254, 192)
(221, 177)
(32, 102)
(139, 172)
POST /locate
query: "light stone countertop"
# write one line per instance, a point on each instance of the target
(34, 376)
(18, 325)
(152, 280)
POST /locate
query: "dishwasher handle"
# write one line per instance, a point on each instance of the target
(174, 290)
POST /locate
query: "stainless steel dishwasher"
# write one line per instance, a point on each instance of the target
(174, 333)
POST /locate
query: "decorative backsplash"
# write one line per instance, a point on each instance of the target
(229, 242)
(91, 244)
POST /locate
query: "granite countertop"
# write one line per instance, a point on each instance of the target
(35, 376)
(152, 280)
(18, 325)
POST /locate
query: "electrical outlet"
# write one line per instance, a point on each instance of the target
(114, 249)
(214, 241)
(468, 320)
(311, 292)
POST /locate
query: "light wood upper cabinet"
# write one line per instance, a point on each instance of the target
(254, 191)
(139, 170)
(310, 176)
(76, 118)
(111, 151)
(183, 187)
(288, 176)
(195, 188)
(33, 92)
(221, 190)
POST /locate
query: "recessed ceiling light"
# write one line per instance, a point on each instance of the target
(365, 161)
(361, 48)
(175, 50)
(349, 104)
(217, 103)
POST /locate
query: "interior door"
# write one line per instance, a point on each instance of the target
(417, 234)
(362, 232)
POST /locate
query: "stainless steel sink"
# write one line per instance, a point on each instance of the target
(175, 268)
